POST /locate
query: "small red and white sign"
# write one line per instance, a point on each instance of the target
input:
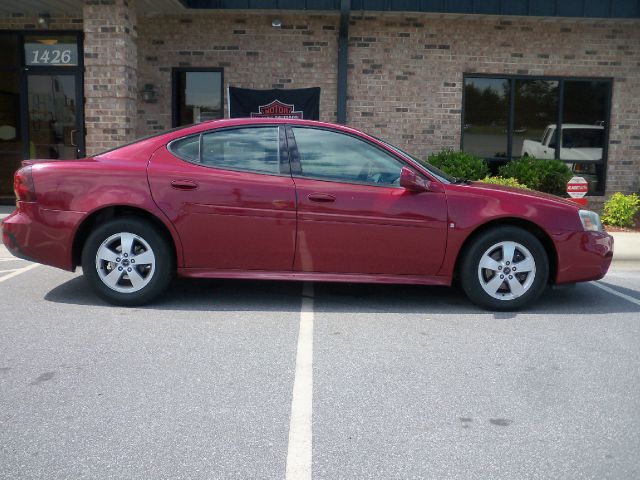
(577, 187)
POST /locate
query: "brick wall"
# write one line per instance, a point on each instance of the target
(110, 79)
(405, 71)
(253, 54)
(20, 21)
(405, 76)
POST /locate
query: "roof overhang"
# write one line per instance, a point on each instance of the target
(569, 9)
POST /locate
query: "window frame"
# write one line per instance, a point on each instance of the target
(284, 168)
(561, 79)
(296, 171)
(175, 72)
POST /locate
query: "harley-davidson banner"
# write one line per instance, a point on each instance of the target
(276, 103)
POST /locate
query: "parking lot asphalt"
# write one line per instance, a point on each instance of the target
(402, 382)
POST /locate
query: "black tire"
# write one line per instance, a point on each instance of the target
(490, 244)
(155, 277)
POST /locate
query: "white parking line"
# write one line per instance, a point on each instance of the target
(19, 271)
(299, 452)
(616, 293)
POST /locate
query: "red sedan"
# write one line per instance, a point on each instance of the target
(293, 200)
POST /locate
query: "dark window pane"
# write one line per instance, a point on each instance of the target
(247, 149)
(486, 114)
(187, 148)
(199, 97)
(10, 135)
(328, 155)
(9, 49)
(535, 109)
(584, 120)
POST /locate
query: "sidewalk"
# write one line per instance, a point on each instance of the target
(626, 246)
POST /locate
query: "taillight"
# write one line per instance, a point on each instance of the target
(23, 185)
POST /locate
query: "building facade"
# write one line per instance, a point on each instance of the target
(491, 77)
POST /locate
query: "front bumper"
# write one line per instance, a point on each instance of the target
(40, 235)
(583, 256)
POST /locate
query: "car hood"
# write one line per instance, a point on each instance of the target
(524, 192)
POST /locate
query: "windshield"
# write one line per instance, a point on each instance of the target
(436, 172)
(582, 138)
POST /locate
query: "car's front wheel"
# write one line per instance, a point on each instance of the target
(504, 268)
(127, 261)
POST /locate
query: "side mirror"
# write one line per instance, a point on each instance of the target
(411, 181)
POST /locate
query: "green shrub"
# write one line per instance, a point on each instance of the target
(459, 164)
(620, 210)
(507, 182)
(550, 176)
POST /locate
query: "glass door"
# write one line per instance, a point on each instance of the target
(53, 116)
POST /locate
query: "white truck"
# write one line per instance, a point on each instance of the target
(579, 143)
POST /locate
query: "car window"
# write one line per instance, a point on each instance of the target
(248, 149)
(328, 155)
(582, 138)
(187, 148)
(552, 142)
(545, 135)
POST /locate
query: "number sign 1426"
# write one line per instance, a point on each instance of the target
(50, 54)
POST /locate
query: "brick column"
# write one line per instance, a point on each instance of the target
(110, 79)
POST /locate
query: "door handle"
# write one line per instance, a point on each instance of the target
(72, 138)
(184, 184)
(321, 197)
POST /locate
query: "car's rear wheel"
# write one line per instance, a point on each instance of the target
(504, 268)
(127, 261)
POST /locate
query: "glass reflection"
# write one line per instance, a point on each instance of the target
(535, 113)
(486, 107)
(52, 116)
(199, 97)
(583, 130)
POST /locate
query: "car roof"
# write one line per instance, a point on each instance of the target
(237, 122)
(154, 141)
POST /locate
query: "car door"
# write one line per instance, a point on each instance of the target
(353, 216)
(231, 197)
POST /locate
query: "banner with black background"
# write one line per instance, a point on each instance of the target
(276, 103)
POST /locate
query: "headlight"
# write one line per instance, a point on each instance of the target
(590, 221)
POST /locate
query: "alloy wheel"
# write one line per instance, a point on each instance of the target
(506, 270)
(125, 262)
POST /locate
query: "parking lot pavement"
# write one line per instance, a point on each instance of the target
(405, 382)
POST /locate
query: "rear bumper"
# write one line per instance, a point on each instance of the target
(583, 256)
(40, 235)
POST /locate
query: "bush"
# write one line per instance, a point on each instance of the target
(550, 176)
(620, 210)
(507, 182)
(459, 164)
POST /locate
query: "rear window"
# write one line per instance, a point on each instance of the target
(187, 148)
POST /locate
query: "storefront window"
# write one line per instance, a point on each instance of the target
(11, 145)
(41, 114)
(535, 109)
(547, 118)
(487, 117)
(197, 95)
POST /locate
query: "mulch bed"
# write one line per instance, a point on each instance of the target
(635, 228)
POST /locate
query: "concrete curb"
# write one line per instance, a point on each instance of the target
(626, 247)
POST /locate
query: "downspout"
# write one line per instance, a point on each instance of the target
(343, 48)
